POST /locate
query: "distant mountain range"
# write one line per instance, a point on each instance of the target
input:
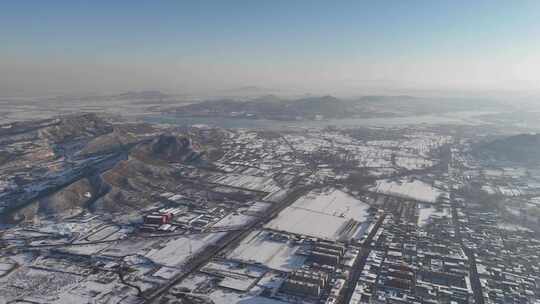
(271, 107)
(315, 107)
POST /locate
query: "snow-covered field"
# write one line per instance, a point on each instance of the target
(166, 273)
(324, 214)
(333, 202)
(220, 296)
(309, 223)
(177, 251)
(233, 276)
(258, 248)
(193, 281)
(257, 183)
(416, 189)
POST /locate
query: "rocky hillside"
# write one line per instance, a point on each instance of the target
(61, 166)
(76, 126)
(168, 148)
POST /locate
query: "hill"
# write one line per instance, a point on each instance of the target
(271, 107)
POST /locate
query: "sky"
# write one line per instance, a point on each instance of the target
(335, 47)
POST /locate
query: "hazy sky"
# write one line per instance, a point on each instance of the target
(313, 46)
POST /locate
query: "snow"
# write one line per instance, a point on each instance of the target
(167, 272)
(231, 267)
(232, 220)
(38, 285)
(509, 191)
(219, 296)
(258, 207)
(426, 212)
(270, 280)
(333, 202)
(250, 182)
(332, 210)
(488, 189)
(103, 233)
(258, 248)
(306, 222)
(513, 227)
(90, 249)
(415, 189)
(95, 292)
(193, 281)
(233, 275)
(276, 196)
(413, 163)
(237, 283)
(177, 251)
(6, 266)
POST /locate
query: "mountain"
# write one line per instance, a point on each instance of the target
(167, 148)
(271, 107)
(141, 95)
(75, 127)
(316, 107)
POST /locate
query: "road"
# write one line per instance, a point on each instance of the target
(475, 278)
(228, 241)
(359, 264)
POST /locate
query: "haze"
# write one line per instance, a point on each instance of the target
(348, 48)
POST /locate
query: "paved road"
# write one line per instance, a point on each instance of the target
(359, 264)
(227, 242)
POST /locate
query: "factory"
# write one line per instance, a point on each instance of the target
(160, 220)
(324, 253)
(305, 282)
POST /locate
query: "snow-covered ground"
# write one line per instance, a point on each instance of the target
(513, 227)
(309, 223)
(325, 214)
(258, 248)
(333, 202)
(233, 276)
(167, 273)
(257, 183)
(234, 220)
(415, 189)
(220, 296)
(193, 281)
(177, 251)
(413, 163)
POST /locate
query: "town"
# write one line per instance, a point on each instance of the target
(329, 215)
